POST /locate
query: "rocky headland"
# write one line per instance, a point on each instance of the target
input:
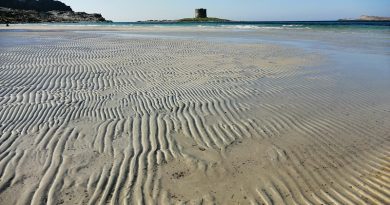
(39, 11)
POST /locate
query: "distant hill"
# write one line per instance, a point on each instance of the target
(8, 15)
(36, 5)
(36, 11)
(368, 18)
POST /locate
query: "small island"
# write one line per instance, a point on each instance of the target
(368, 18)
(200, 16)
(209, 19)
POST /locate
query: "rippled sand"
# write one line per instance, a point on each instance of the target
(96, 118)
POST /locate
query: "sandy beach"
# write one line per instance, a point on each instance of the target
(150, 115)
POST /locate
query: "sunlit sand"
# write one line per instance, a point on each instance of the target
(150, 115)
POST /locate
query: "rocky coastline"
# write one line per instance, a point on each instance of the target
(8, 15)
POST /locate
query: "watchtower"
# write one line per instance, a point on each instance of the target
(201, 13)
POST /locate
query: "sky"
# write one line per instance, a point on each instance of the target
(245, 10)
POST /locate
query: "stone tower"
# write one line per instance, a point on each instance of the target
(200, 13)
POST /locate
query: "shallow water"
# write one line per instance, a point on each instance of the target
(209, 115)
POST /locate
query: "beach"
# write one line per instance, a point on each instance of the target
(194, 115)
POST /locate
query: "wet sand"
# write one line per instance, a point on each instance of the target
(193, 116)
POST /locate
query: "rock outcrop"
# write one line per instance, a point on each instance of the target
(36, 5)
(8, 15)
(37, 11)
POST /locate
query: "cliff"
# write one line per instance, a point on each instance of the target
(8, 15)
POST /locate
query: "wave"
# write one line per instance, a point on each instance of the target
(292, 25)
(264, 27)
(162, 25)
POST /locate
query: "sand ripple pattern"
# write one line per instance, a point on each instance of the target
(94, 119)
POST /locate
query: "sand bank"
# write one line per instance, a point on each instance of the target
(95, 118)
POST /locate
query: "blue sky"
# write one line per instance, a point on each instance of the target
(262, 10)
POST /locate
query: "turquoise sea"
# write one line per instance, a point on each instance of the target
(128, 112)
(248, 24)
